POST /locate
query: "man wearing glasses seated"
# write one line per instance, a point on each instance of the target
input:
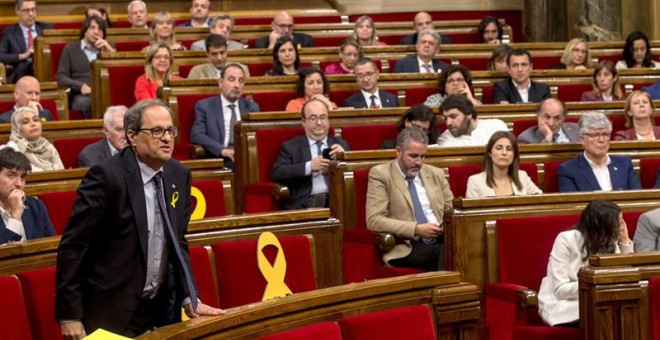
(304, 161)
(283, 27)
(595, 170)
(369, 96)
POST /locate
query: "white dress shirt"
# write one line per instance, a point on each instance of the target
(602, 173)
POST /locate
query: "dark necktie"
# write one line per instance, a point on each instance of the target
(319, 148)
(555, 137)
(417, 207)
(158, 189)
(232, 123)
(373, 102)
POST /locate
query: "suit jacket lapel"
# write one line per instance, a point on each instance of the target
(514, 91)
(19, 37)
(427, 180)
(589, 173)
(133, 181)
(169, 188)
(615, 177)
(304, 145)
(220, 117)
(400, 184)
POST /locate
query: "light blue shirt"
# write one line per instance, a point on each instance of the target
(90, 51)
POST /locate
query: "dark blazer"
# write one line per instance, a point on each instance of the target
(94, 153)
(102, 256)
(630, 134)
(410, 64)
(12, 44)
(412, 39)
(653, 90)
(357, 100)
(35, 222)
(576, 175)
(534, 136)
(506, 90)
(301, 39)
(208, 129)
(73, 70)
(289, 169)
(43, 115)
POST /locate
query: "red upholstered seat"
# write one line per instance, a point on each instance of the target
(458, 177)
(69, 148)
(185, 119)
(572, 92)
(202, 263)
(638, 86)
(418, 95)
(654, 307)
(14, 324)
(519, 126)
(648, 170)
(532, 171)
(367, 137)
(339, 96)
(214, 196)
(487, 95)
(55, 53)
(131, 46)
(329, 41)
(550, 176)
(239, 280)
(464, 38)
(184, 69)
(259, 69)
(318, 331)
(474, 63)
(522, 266)
(618, 124)
(58, 204)
(631, 218)
(413, 322)
(39, 293)
(273, 101)
(545, 62)
(122, 83)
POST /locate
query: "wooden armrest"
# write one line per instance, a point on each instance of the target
(385, 242)
(197, 151)
(281, 192)
(522, 295)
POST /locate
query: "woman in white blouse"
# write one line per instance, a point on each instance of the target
(501, 175)
(601, 230)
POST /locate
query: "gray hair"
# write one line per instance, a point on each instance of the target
(222, 17)
(110, 113)
(431, 32)
(411, 134)
(133, 116)
(135, 2)
(594, 120)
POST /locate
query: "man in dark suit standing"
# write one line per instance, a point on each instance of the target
(422, 21)
(282, 26)
(23, 217)
(27, 90)
(518, 87)
(369, 96)
(301, 165)
(112, 144)
(216, 117)
(123, 262)
(428, 44)
(17, 43)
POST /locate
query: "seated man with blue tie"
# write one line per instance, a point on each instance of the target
(595, 170)
(304, 161)
(23, 217)
(407, 199)
(427, 45)
(216, 116)
(369, 96)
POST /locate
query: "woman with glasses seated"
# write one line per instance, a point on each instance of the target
(576, 56)
(311, 84)
(162, 32)
(502, 175)
(157, 68)
(420, 116)
(639, 119)
(454, 79)
(349, 52)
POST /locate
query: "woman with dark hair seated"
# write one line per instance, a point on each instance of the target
(639, 112)
(502, 175)
(286, 60)
(490, 30)
(601, 230)
(420, 116)
(636, 52)
(312, 84)
(454, 79)
(605, 83)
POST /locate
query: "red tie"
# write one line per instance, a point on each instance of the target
(30, 39)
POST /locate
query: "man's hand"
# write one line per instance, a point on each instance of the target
(545, 130)
(16, 203)
(202, 310)
(35, 105)
(27, 54)
(428, 230)
(623, 233)
(320, 164)
(272, 38)
(495, 42)
(85, 89)
(335, 149)
(73, 330)
(228, 153)
(103, 45)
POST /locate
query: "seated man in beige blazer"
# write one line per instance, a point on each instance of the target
(407, 199)
(216, 51)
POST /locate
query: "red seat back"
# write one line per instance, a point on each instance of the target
(367, 137)
(51, 105)
(413, 322)
(329, 41)
(487, 95)
(39, 293)
(418, 95)
(572, 92)
(184, 69)
(618, 124)
(214, 196)
(550, 176)
(239, 280)
(273, 101)
(648, 170)
(519, 126)
(532, 171)
(319, 331)
(122, 83)
(59, 204)
(458, 177)
(259, 69)
(339, 96)
(654, 306)
(203, 271)
(268, 148)
(631, 218)
(361, 184)
(14, 323)
(185, 119)
(545, 62)
(131, 46)
(55, 54)
(70, 148)
(523, 262)
(474, 63)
